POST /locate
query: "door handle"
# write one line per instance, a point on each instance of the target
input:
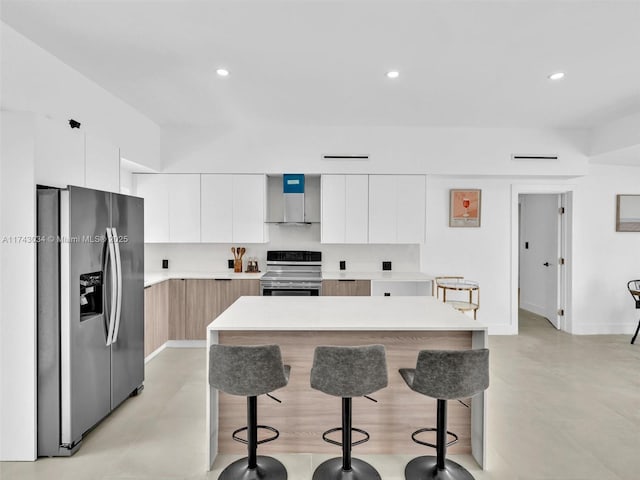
(546, 264)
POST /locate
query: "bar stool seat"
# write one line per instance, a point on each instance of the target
(444, 375)
(250, 371)
(348, 372)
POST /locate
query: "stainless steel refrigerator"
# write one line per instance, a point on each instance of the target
(90, 310)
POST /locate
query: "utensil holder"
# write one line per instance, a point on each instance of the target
(237, 265)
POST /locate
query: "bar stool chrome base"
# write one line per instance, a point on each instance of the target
(426, 468)
(332, 470)
(268, 468)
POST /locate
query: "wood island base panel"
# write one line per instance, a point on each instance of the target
(404, 325)
(305, 413)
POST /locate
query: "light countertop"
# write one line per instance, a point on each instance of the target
(152, 279)
(343, 313)
(157, 277)
(378, 276)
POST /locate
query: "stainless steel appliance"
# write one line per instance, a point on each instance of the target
(292, 272)
(90, 311)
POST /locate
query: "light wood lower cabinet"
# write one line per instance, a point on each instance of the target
(177, 301)
(156, 316)
(181, 309)
(342, 288)
(206, 299)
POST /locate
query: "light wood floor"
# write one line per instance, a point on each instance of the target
(561, 407)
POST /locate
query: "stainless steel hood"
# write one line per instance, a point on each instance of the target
(293, 209)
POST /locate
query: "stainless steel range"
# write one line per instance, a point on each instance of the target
(292, 273)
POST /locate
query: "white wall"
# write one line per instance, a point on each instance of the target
(480, 254)
(448, 151)
(33, 80)
(17, 288)
(207, 258)
(604, 260)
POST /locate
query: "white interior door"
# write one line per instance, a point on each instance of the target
(539, 255)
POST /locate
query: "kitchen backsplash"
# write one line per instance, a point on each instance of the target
(213, 257)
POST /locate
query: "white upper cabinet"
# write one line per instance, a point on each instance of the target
(344, 208)
(102, 164)
(216, 215)
(249, 208)
(155, 191)
(171, 207)
(233, 208)
(397, 208)
(59, 154)
(184, 207)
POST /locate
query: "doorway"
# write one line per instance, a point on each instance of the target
(541, 253)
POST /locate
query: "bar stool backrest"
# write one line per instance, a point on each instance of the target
(451, 374)
(634, 290)
(349, 371)
(246, 370)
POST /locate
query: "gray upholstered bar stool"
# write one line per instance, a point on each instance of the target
(444, 375)
(250, 371)
(348, 372)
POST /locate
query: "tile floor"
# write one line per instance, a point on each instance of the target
(561, 407)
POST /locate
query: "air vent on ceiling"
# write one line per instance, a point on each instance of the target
(533, 157)
(345, 157)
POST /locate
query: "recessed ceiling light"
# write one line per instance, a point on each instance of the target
(556, 76)
(393, 74)
(222, 72)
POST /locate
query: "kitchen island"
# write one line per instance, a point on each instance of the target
(404, 325)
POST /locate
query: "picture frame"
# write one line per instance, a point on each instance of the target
(628, 213)
(464, 207)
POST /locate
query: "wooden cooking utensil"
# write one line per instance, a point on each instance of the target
(233, 250)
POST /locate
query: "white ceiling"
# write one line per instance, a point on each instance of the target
(471, 63)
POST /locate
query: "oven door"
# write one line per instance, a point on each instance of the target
(291, 289)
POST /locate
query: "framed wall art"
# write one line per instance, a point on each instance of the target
(464, 208)
(627, 213)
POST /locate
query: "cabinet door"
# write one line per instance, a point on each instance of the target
(216, 215)
(154, 189)
(343, 288)
(249, 208)
(59, 154)
(411, 208)
(333, 207)
(357, 209)
(102, 164)
(203, 298)
(177, 309)
(184, 208)
(156, 316)
(382, 209)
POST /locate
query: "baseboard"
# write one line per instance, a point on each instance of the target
(604, 329)
(530, 307)
(154, 353)
(186, 343)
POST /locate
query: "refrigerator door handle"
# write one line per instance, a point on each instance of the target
(114, 286)
(116, 243)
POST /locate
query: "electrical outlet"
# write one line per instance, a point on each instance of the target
(343, 265)
(386, 265)
(165, 263)
(230, 263)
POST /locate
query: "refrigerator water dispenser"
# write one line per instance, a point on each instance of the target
(91, 295)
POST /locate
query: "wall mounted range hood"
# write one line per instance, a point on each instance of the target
(293, 191)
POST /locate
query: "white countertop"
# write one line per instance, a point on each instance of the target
(378, 276)
(342, 313)
(153, 278)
